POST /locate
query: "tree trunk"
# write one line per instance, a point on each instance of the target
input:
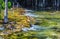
(36, 5)
(6, 12)
(57, 4)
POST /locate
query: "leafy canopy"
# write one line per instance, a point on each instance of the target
(1, 1)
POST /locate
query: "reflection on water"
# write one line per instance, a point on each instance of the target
(30, 13)
(1, 28)
(34, 28)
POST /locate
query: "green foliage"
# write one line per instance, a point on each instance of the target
(9, 5)
(3, 5)
(44, 23)
(1, 1)
(0, 17)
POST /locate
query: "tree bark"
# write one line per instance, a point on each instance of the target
(6, 12)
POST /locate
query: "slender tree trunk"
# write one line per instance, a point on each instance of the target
(36, 5)
(6, 12)
(54, 5)
(13, 7)
(17, 5)
(44, 5)
(57, 4)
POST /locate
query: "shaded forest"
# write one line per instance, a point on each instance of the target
(17, 21)
(39, 4)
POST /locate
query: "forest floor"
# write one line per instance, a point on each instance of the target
(48, 19)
